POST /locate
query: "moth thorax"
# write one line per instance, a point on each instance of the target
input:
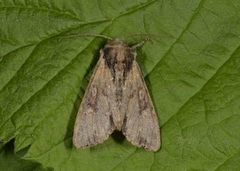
(120, 56)
(121, 59)
(120, 66)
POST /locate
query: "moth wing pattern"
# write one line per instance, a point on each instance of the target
(94, 123)
(140, 125)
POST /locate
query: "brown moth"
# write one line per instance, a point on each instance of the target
(117, 99)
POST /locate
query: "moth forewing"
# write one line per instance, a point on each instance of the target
(141, 126)
(117, 98)
(93, 123)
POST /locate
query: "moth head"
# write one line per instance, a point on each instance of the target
(118, 55)
(118, 44)
(118, 50)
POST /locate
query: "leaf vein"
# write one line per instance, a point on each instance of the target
(203, 86)
(29, 99)
(129, 156)
(180, 36)
(59, 12)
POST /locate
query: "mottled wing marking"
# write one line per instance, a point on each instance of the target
(141, 123)
(94, 121)
(117, 98)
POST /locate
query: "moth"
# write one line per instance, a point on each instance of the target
(117, 98)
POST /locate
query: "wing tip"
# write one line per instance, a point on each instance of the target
(153, 145)
(153, 148)
(80, 145)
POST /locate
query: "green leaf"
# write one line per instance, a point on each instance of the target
(192, 69)
(12, 162)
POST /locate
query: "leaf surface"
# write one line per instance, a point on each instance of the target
(192, 69)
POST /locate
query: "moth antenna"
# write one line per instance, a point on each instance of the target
(90, 35)
(140, 44)
(143, 35)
